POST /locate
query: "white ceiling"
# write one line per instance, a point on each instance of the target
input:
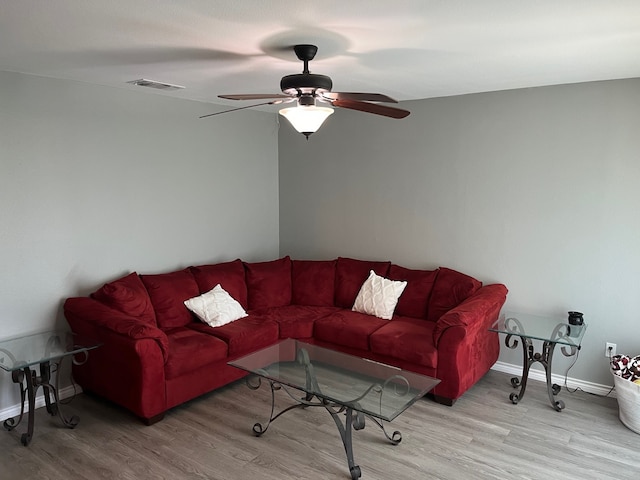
(407, 49)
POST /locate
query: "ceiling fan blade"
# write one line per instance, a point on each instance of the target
(371, 108)
(275, 102)
(362, 97)
(254, 96)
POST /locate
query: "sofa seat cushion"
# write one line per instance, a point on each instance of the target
(313, 282)
(269, 283)
(296, 321)
(350, 275)
(168, 291)
(190, 350)
(415, 299)
(408, 339)
(450, 290)
(128, 295)
(347, 328)
(229, 275)
(245, 335)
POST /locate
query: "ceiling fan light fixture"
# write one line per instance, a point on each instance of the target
(306, 119)
(306, 88)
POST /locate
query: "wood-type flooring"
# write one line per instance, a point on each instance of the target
(483, 436)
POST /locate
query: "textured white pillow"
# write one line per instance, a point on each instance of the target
(216, 307)
(378, 296)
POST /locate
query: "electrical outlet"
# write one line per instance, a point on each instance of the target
(609, 350)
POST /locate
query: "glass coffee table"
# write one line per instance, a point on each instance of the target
(551, 331)
(341, 383)
(19, 356)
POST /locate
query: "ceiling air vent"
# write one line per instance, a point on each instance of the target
(143, 82)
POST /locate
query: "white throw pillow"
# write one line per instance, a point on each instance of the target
(216, 307)
(378, 296)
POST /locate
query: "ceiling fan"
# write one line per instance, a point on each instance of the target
(306, 88)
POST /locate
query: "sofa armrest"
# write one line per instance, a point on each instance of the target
(129, 367)
(85, 314)
(466, 347)
(477, 311)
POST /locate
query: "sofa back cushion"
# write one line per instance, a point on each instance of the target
(268, 283)
(230, 275)
(414, 301)
(450, 290)
(128, 296)
(313, 282)
(168, 291)
(350, 275)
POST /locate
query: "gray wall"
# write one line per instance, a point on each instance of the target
(98, 182)
(534, 188)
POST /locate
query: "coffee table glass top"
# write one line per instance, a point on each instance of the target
(370, 387)
(546, 328)
(21, 352)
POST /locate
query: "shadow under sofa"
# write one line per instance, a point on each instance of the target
(156, 354)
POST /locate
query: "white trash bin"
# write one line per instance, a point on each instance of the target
(628, 402)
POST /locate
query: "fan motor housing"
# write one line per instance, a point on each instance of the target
(305, 83)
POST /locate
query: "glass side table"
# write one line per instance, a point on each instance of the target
(19, 356)
(551, 331)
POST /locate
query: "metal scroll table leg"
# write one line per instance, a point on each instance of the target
(45, 377)
(354, 420)
(28, 395)
(552, 388)
(254, 384)
(17, 376)
(31, 394)
(528, 357)
(50, 392)
(345, 434)
(345, 430)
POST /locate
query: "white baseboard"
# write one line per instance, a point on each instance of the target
(509, 368)
(572, 383)
(14, 410)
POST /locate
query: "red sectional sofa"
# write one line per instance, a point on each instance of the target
(156, 354)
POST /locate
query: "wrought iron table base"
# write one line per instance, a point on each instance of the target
(28, 393)
(544, 358)
(354, 419)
